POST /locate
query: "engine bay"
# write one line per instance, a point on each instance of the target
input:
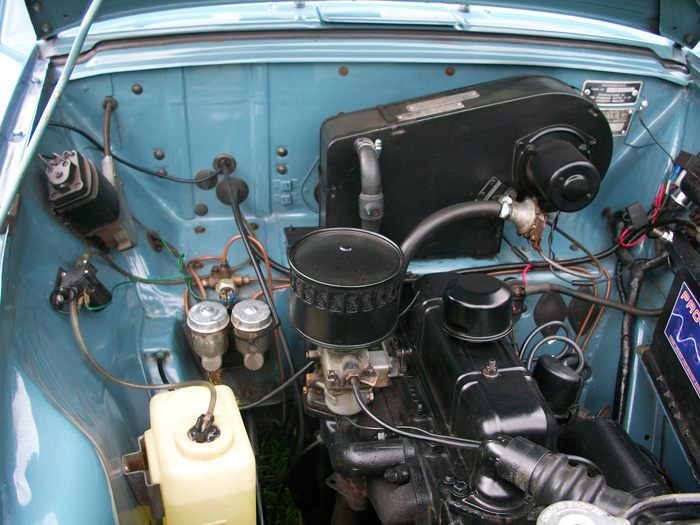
(465, 295)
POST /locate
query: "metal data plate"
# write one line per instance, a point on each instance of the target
(619, 119)
(613, 93)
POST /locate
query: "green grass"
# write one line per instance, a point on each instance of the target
(279, 508)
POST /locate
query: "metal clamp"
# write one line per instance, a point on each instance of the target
(134, 467)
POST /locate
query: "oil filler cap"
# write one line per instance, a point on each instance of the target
(478, 308)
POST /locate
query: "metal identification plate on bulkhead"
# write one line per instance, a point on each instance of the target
(619, 119)
(612, 93)
(683, 332)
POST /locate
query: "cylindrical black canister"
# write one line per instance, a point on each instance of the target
(345, 287)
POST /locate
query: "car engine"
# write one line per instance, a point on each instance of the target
(388, 303)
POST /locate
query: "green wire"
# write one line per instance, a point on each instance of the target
(163, 280)
(167, 247)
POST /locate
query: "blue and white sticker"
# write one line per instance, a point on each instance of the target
(683, 332)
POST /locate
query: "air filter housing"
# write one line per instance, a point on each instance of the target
(345, 287)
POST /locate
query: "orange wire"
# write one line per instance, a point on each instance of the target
(196, 278)
(187, 306)
(602, 309)
(280, 287)
(228, 245)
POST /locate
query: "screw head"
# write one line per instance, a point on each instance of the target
(159, 154)
(137, 89)
(282, 169)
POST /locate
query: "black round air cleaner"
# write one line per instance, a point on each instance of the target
(478, 308)
(345, 287)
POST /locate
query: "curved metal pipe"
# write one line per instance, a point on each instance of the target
(371, 202)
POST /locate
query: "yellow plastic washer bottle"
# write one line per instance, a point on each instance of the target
(201, 483)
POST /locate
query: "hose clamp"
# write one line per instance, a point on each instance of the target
(506, 207)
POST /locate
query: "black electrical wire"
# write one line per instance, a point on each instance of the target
(660, 502)
(238, 218)
(591, 255)
(75, 324)
(670, 220)
(161, 369)
(155, 236)
(538, 288)
(518, 267)
(653, 137)
(97, 144)
(563, 339)
(279, 389)
(659, 468)
(260, 257)
(447, 441)
(595, 469)
(619, 283)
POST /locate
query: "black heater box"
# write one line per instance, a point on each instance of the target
(443, 149)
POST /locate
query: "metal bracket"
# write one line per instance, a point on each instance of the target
(12, 217)
(495, 189)
(134, 467)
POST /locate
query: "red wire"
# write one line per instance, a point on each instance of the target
(657, 205)
(525, 270)
(629, 245)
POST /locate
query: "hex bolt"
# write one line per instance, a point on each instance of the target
(460, 489)
(491, 369)
(332, 377)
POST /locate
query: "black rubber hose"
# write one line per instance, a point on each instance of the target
(538, 288)
(548, 477)
(441, 218)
